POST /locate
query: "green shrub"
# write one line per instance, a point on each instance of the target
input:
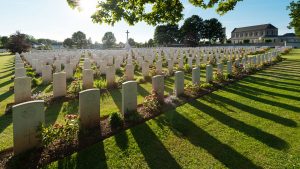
(115, 120)
(31, 74)
(64, 133)
(286, 51)
(192, 89)
(151, 103)
(121, 81)
(187, 68)
(152, 72)
(75, 87)
(206, 85)
(140, 80)
(100, 84)
(36, 82)
(119, 72)
(218, 76)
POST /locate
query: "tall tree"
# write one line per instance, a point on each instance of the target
(108, 40)
(294, 7)
(191, 30)
(151, 42)
(213, 30)
(163, 11)
(68, 43)
(18, 43)
(4, 41)
(79, 39)
(131, 42)
(166, 34)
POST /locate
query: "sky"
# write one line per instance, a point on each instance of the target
(54, 19)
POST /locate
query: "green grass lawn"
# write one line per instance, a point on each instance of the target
(251, 124)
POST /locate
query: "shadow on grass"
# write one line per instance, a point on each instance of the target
(277, 76)
(93, 157)
(117, 97)
(257, 112)
(155, 153)
(185, 128)
(6, 83)
(5, 95)
(262, 136)
(247, 94)
(143, 92)
(5, 121)
(52, 112)
(273, 84)
(273, 81)
(122, 140)
(6, 75)
(39, 88)
(7, 69)
(169, 83)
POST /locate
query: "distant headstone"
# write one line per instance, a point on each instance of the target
(179, 83)
(59, 84)
(158, 86)
(87, 79)
(129, 72)
(110, 76)
(20, 72)
(47, 74)
(196, 75)
(209, 73)
(22, 89)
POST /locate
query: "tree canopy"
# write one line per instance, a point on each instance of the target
(213, 30)
(165, 11)
(4, 41)
(79, 39)
(18, 43)
(162, 11)
(108, 40)
(68, 43)
(166, 34)
(294, 7)
(191, 30)
(131, 41)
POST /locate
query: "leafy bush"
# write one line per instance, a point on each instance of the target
(140, 80)
(206, 85)
(237, 70)
(75, 87)
(100, 84)
(192, 89)
(115, 120)
(187, 68)
(119, 72)
(36, 82)
(218, 76)
(152, 72)
(121, 80)
(136, 67)
(64, 133)
(151, 103)
(286, 51)
(278, 58)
